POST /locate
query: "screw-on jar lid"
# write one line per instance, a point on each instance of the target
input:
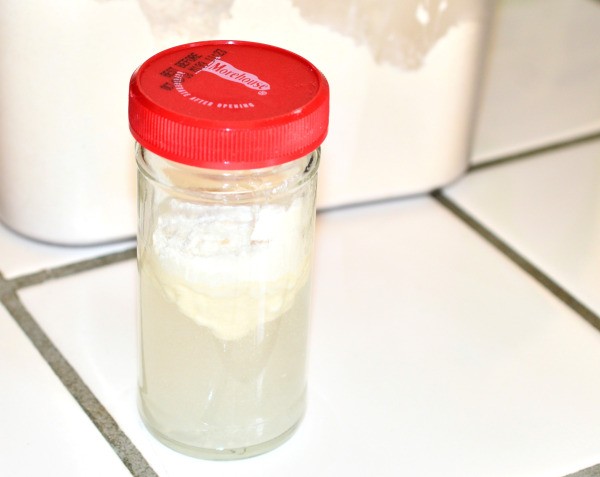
(228, 105)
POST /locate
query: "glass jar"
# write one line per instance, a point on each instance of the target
(228, 150)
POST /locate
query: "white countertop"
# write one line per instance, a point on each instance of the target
(455, 333)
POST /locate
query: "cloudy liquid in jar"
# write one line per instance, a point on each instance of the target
(209, 393)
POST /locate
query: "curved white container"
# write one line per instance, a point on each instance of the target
(67, 169)
(404, 79)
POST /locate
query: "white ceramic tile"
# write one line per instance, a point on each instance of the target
(457, 364)
(542, 77)
(431, 355)
(20, 255)
(548, 209)
(43, 431)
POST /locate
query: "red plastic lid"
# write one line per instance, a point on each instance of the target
(228, 105)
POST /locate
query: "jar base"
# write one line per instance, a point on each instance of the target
(222, 453)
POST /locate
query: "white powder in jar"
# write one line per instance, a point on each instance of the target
(230, 268)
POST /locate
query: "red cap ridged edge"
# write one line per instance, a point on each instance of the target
(246, 145)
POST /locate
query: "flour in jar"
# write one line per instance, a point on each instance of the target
(229, 268)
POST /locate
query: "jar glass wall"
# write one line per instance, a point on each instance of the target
(224, 264)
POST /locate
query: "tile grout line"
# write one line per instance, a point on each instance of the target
(535, 151)
(488, 163)
(552, 286)
(36, 278)
(534, 272)
(91, 405)
(593, 471)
